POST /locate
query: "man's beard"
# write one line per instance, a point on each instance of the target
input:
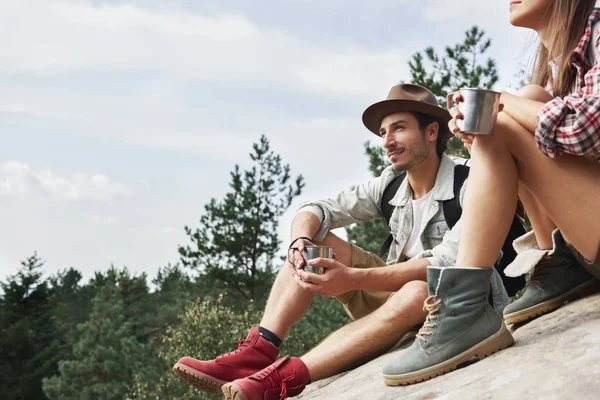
(417, 156)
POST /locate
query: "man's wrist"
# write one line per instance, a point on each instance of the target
(296, 239)
(357, 276)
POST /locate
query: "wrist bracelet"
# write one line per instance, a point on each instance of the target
(298, 238)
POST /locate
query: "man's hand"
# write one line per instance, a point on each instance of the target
(336, 280)
(295, 259)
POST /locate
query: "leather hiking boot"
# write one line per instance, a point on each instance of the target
(557, 278)
(252, 355)
(287, 377)
(461, 324)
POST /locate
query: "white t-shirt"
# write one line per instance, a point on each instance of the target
(414, 245)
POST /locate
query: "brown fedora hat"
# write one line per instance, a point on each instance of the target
(405, 97)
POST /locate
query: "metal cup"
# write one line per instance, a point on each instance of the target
(480, 110)
(311, 252)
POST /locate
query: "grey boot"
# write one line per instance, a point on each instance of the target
(557, 278)
(461, 324)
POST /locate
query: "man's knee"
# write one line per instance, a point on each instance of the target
(408, 301)
(534, 92)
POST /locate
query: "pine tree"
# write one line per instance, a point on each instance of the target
(26, 332)
(236, 241)
(111, 345)
(460, 66)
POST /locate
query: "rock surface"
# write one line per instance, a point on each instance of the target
(556, 356)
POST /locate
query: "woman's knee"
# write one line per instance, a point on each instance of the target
(534, 92)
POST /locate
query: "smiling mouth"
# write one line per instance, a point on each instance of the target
(396, 152)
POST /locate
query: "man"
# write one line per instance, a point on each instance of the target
(385, 301)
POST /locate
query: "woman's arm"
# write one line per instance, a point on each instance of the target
(525, 105)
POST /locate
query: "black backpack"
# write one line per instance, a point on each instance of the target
(452, 212)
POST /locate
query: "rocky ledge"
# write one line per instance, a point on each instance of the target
(556, 356)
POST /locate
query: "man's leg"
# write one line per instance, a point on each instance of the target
(287, 302)
(370, 336)
(347, 347)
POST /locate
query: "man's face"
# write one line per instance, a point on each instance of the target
(404, 143)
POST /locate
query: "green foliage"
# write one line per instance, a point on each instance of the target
(369, 235)
(109, 346)
(236, 242)
(207, 329)
(26, 332)
(378, 160)
(460, 66)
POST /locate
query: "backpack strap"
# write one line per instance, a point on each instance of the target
(386, 209)
(452, 207)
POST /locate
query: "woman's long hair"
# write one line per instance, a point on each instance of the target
(567, 23)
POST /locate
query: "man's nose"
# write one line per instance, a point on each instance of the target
(387, 140)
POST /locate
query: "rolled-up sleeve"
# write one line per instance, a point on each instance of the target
(360, 203)
(572, 124)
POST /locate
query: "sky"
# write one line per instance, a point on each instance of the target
(119, 120)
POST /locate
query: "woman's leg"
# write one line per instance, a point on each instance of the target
(568, 189)
(542, 225)
(490, 200)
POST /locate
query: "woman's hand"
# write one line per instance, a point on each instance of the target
(467, 139)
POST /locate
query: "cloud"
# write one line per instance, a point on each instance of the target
(445, 10)
(19, 179)
(78, 36)
(104, 220)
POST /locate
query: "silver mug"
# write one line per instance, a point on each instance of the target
(479, 108)
(311, 252)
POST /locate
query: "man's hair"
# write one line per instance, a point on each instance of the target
(442, 139)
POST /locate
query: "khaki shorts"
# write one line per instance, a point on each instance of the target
(359, 303)
(593, 267)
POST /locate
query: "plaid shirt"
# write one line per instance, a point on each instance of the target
(572, 124)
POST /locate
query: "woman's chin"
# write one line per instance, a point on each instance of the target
(517, 20)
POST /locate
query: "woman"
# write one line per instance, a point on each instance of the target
(559, 181)
(545, 149)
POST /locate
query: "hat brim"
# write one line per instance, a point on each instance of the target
(375, 113)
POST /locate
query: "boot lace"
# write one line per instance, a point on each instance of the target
(242, 344)
(539, 270)
(271, 378)
(432, 306)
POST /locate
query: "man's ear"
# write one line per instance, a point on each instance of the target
(432, 131)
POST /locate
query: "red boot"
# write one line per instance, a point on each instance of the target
(287, 377)
(253, 354)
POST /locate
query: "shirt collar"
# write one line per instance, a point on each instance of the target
(442, 190)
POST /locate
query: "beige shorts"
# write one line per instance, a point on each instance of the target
(593, 267)
(359, 303)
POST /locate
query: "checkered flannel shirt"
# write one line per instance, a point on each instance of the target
(572, 124)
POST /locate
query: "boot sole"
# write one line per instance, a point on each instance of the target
(197, 379)
(498, 341)
(233, 392)
(585, 289)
